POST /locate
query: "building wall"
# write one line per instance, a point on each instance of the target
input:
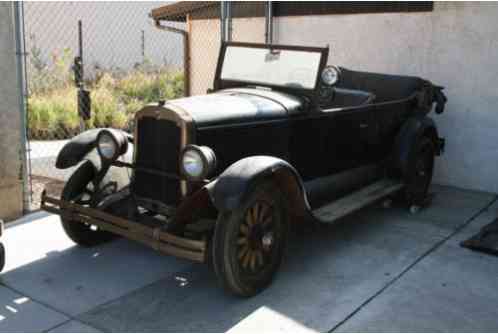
(205, 46)
(455, 46)
(10, 120)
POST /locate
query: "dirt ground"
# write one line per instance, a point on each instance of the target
(38, 184)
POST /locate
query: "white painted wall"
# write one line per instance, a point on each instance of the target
(205, 46)
(456, 46)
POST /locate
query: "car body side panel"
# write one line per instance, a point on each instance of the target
(347, 140)
(306, 147)
(233, 143)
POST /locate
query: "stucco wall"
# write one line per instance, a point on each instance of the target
(10, 120)
(205, 46)
(456, 46)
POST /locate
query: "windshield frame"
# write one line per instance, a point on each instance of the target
(220, 83)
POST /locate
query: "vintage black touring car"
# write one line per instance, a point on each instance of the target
(281, 139)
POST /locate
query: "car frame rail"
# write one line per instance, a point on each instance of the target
(154, 237)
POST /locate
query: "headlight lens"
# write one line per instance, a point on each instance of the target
(192, 163)
(330, 75)
(107, 146)
(111, 144)
(197, 162)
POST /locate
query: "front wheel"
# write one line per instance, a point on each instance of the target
(78, 189)
(249, 242)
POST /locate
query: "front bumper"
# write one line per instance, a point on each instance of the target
(154, 237)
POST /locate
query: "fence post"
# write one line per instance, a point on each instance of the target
(223, 22)
(82, 71)
(229, 20)
(23, 93)
(143, 46)
(269, 23)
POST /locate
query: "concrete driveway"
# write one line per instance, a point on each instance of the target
(377, 270)
(43, 154)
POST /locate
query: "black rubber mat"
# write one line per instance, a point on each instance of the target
(486, 240)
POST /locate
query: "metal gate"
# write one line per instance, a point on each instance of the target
(129, 58)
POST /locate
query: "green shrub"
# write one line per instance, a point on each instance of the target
(104, 106)
(117, 120)
(42, 118)
(65, 107)
(138, 85)
(132, 106)
(116, 97)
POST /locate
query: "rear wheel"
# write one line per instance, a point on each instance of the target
(418, 177)
(2, 256)
(79, 190)
(249, 242)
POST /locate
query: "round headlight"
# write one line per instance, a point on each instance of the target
(330, 75)
(197, 162)
(192, 162)
(111, 144)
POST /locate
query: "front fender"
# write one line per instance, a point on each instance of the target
(79, 148)
(82, 148)
(76, 149)
(230, 188)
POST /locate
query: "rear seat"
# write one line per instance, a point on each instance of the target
(344, 98)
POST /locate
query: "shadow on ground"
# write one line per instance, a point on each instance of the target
(330, 272)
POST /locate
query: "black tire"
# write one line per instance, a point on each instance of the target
(249, 242)
(80, 233)
(2, 256)
(418, 175)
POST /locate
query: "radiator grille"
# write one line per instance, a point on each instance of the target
(158, 148)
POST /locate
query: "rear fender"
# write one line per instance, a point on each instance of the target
(410, 132)
(229, 190)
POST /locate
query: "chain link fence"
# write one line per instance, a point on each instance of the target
(127, 62)
(129, 56)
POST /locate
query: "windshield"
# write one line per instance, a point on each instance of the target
(277, 67)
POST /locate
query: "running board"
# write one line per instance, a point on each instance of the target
(331, 212)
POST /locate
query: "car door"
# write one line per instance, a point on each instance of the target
(348, 139)
(305, 146)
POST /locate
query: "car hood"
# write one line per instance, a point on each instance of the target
(238, 106)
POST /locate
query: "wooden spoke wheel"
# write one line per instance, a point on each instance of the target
(249, 242)
(256, 238)
(420, 172)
